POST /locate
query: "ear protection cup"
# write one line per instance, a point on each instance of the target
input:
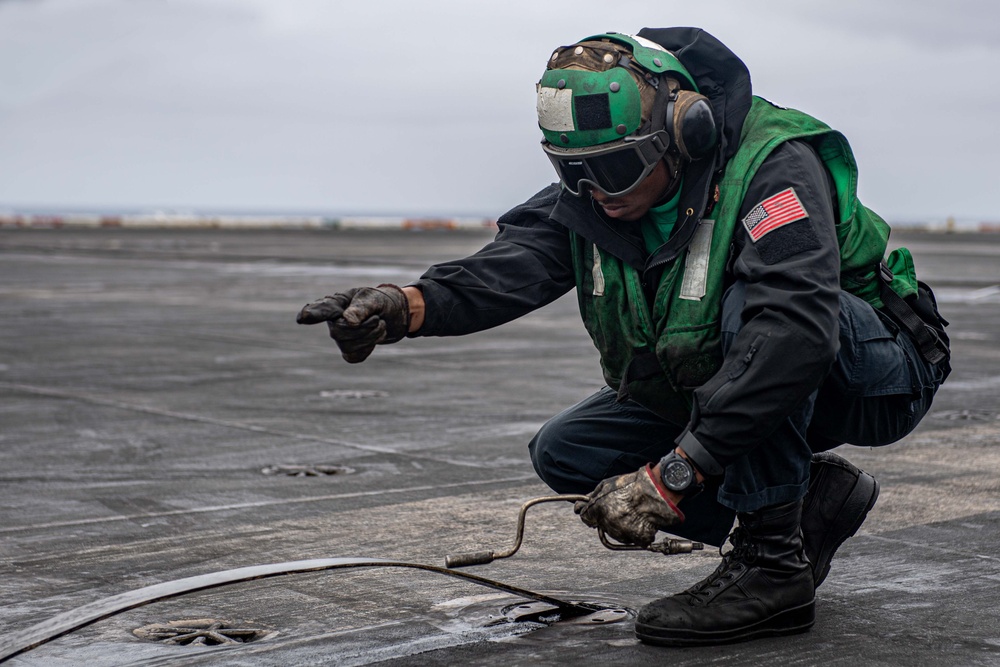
(690, 124)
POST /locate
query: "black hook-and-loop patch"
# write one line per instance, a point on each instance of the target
(593, 112)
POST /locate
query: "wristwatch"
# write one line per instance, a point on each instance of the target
(679, 475)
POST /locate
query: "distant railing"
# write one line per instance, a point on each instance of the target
(159, 220)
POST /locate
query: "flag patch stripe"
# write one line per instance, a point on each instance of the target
(774, 212)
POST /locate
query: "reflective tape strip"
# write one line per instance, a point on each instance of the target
(695, 281)
(598, 274)
(555, 109)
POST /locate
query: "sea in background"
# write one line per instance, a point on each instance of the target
(155, 217)
(40, 217)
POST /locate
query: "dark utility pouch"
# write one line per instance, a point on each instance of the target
(925, 306)
(918, 314)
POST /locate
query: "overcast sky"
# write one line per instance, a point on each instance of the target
(428, 106)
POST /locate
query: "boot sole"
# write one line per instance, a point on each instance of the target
(859, 503)
(789, 622)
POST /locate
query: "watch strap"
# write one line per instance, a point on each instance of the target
(694, 487)
(698, 456)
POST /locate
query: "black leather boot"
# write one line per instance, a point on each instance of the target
(763, 587)
(839, 498)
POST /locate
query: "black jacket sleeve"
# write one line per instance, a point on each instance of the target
(528, 265)
(790, 332)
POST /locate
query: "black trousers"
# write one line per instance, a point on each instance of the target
(877, 392)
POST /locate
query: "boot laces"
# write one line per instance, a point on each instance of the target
(734, 562)
(744, 547)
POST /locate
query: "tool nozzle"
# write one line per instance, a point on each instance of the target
(465, 560)
(673, 546)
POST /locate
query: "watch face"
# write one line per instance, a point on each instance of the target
(677, 475)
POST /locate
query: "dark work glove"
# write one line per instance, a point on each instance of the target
(630, 508)
(361, 318)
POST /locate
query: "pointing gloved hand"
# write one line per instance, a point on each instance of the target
(361, 318)
(630, 508)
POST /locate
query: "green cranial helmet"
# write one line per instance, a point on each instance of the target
(612, 106)
(603, 88)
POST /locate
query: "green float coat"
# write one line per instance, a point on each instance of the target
(682, 325)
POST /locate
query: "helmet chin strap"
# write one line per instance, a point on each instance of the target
(674, 164)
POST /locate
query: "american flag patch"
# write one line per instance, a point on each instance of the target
(774, 212)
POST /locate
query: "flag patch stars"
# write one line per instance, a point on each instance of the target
(774, 212)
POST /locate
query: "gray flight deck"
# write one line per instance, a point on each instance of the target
(148, 377)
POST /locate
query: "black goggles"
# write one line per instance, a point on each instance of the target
(616, 170)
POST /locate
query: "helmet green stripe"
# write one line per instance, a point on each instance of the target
(652, 58)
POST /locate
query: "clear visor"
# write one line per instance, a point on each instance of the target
(615, 171)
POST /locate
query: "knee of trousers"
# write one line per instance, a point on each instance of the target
(549, 456)
(540, 450)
